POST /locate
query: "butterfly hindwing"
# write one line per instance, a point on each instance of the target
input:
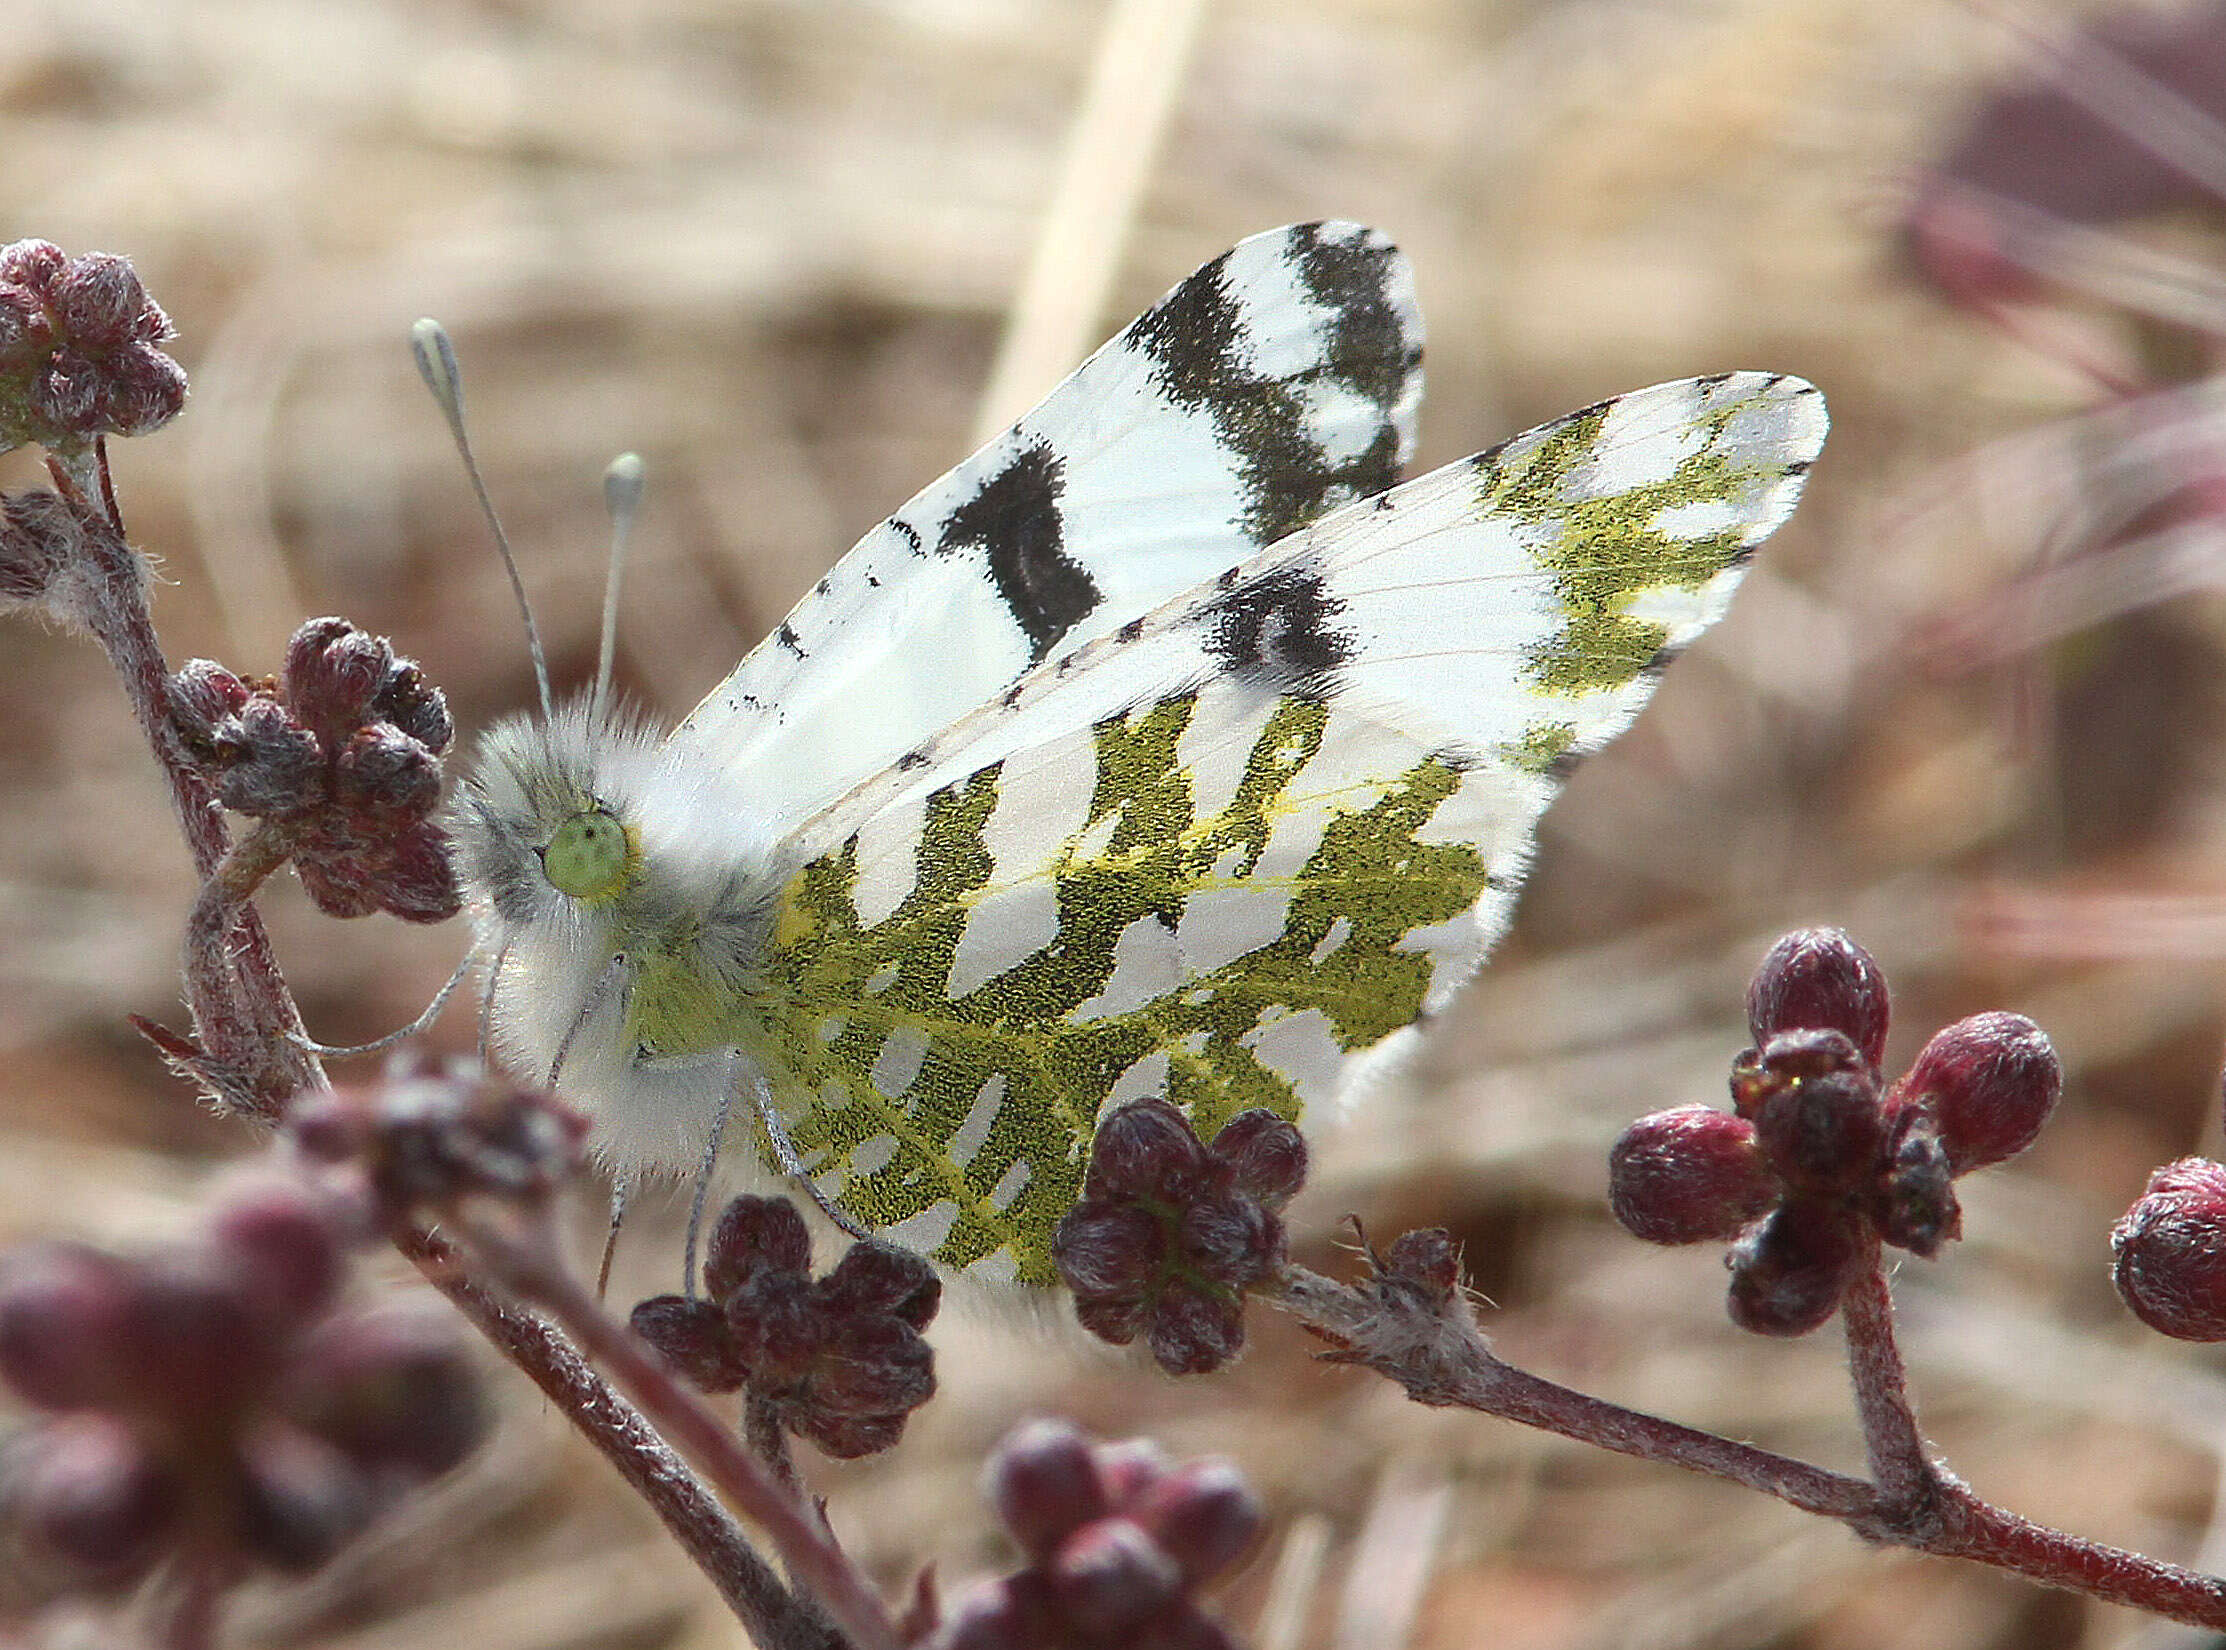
(1243, 842)
(1276, 383)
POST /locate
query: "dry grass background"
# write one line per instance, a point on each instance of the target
(770, 245)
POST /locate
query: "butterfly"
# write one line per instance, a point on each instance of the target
(1168, 746)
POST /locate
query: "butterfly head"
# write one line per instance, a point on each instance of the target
(546, 824)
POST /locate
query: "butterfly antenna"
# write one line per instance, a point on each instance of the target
(436, 364)
(622, 496)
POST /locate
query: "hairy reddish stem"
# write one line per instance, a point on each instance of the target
(251, 1050)
(268, 1064)
(1907, 1481)
(533, 1266)
(1433, 1348)
(694, 1517)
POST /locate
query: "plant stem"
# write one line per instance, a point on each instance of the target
(815, 1560)
(115, 611)
(706, 1532)
(1434, 1349)
(1904, 1475)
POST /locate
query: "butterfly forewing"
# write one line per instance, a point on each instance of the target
(1276, 383)
(1239, 844)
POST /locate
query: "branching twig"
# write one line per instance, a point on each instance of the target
(1430, 1344)
(689, 1510)
(815, 1559)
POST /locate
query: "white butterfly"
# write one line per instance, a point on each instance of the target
(1164, 747)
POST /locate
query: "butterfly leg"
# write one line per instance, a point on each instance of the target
(703, 1172)
(784, 1151)
(622, 1193)
(379, 1045)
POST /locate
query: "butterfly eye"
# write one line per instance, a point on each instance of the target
(588, 856)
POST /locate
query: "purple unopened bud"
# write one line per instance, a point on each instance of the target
(1044, 1485)
(1788, 1274)
(202, 694)
(2169, 1252)
(1195, 1333)
(89, 1493)
(752, 1235)
(66, 1324)
(1992, 1080)
(1268, 1155)
(1110, 1575)
(1140, 1149)
(1690, 1175)
(284, 1243)
(1204, 1515)
(1820, 979)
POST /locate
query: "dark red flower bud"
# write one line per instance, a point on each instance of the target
(1203, 1515)
(414, 706)
(996, 1617)
(206, 1346)
(66, 1328)
(1268, 1155)
(878, 1277)
(1824, 1133)
(1229, 1237)
(284, 1244)
(89, 1493)
(99, 300)
(300, 1501)
(751, 1236)
(1194, 1333)
(1113, 1249)
(431, 1132)
(877, 1365)
(332, 670)
(2169, 1252)
(1690, 1175)
(391, 1388)
(382, 767)
(272, 764)
(1820, 979)
(1992, 1081)
(1142, 1148)
(32, 264)
(1427, 1260)
(1918, 1209)
(1044, 1485)
(1128, 1468)
(202, 694)
(1788, 1274)
(416, 876)
(148, 393)
(1109, 1576)
(691, 1336)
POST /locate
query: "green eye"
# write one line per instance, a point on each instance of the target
(588, 856)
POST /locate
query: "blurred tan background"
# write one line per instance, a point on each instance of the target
(772, 246)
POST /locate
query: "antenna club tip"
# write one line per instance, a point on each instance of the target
(437, 365)
(622, 487)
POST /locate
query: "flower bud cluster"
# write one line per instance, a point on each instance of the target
(345, 750)
(839, 1360)
(77, 350)
(1170, 1234)
(1118, 1541)
(217, 1398)
(1820, 1159)
(433, 1133)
